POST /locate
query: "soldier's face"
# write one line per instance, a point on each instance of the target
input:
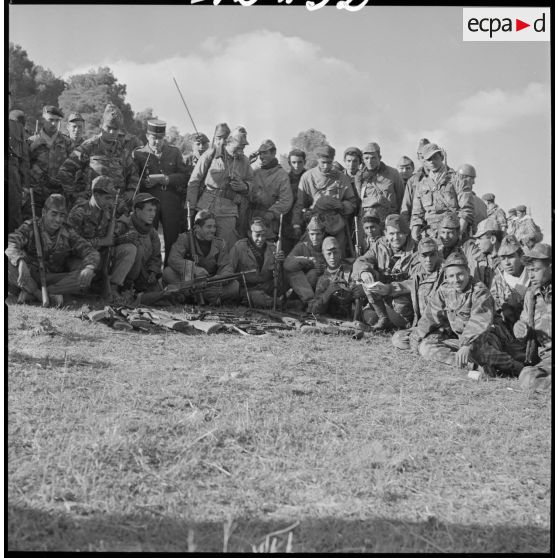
(486, 243)
(200, 147)
(405, 171)
(234, 149)
(109, 133)
(332, 255)
(155, 142)
(207, 230)
(372, 230)
(448, 237)
(512, 264)
(297, 164)
(352, 163)
(430, 261)
(50, 123)
(395, 237)
(468, 181)
(53, 219)
(75, 129)
(325, 164)
(147, 213)
(540, 272)
(267, 156)
(259, 236)
(371, 160)
(457, 277)
(316, 237)
(435, 162)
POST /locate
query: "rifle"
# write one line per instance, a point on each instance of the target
(193, 252)
(278, 266)
(531, 349)
(40, 254)
(106, 262)
(186, 287)
(141, 175)
(357, 242)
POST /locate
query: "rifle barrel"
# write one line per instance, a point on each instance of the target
(40, 253)
(185, 105)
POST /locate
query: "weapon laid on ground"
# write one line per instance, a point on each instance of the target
(195, 257)
(106, 262)
(186, 287)
(141, 175)
(40, 254)
(278, 267)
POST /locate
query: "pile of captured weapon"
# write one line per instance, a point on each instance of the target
(246, 322)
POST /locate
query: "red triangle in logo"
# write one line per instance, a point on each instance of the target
(519, 25)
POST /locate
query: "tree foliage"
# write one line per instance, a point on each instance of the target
(309, 141)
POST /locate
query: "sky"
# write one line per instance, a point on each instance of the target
(390, 74)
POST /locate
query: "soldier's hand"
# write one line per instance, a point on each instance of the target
(280, 256)
(238, 185)
(415, 233)
(24, 276)
(157, 179)
(462, 356)
(297, 233)
(381, 289)
(85, 277)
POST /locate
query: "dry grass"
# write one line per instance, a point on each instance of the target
(170, 442)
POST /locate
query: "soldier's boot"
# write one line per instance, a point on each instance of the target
(383, 323)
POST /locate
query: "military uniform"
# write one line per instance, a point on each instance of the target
(333, 295)
(289, 237)
(409, 193)
(17, 172)
(496, 212)
(479, 211)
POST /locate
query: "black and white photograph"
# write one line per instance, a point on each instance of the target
(278, 277)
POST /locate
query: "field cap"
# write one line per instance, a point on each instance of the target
(488, 197)
(56, 202)
(266, 145)
(509, 246)
(521, 208)
(371, 147)
(51, 110)
(512, 211)
(353, 151)
(145, 197)
(325, 151)
(314, 224)
(202, 138)
(156, 127)
(222, 130)
(103, 184)
(258, 224)
(539, 251)
(238, 136)
(426, 245)
(398, 222)
(75, 117)
(450, 220)
(456, 258)
(486, 226)
(430, 149)
(422, 142)
(405, 161)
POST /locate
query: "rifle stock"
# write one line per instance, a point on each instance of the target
(40, 253)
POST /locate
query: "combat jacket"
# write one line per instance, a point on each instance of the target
(190, 161)
(168, 162)
(467, 314)
(314, 184)
(436, 194)
(47, 154)
(18, 152)
(91, 222)
(299, 257)
(148, 242)
(497, 213)
(181, 251)
(525, 228)
(209, 186)
(410, 189)
(340, 279)
(58, 248)
(384, 263)
(241, 258)
(507, 296)
(96, 157)
(382, 188)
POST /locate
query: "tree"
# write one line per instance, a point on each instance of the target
(309, 141)
(90, 93)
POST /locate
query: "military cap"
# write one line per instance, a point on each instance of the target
(328, 203)
(450, 220)
(352, 151)
(488, 197)
(486, 226)
(456, 258)
(258, 224)
(17, 115)
(521, 208)
(371, 147)
(315, 224)
(51, 110)
(398, 222)
(202, 216)
(330, 242)
(113, 116)
(238, 136)
(337, 165)
(75, 117)
(405, 161)
(426, 245)
(56, 202)
(422, 142)
(368, 218)
(325, 151)
(143, 198)
(509, 246)
(539, 251)
(222, 130)
(266, 145)
(202, 138)
(512, 211)
(430, 149)
(103, 184)
(156, 127)
(297, 153)
(371, 211)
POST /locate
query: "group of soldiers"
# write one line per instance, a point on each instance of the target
(412, 251)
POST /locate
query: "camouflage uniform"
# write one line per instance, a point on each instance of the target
(499, 215)
(17, 173)
(181, 266)
(300, 271)
(66, 254)
(333, 294)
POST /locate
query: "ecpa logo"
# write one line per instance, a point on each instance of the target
(506, 24)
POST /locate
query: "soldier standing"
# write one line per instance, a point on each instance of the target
(496, 212)
(297, 162)
(526, 231)
(76, 128)
(466, 175)
(200, 144)
(411, 184)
